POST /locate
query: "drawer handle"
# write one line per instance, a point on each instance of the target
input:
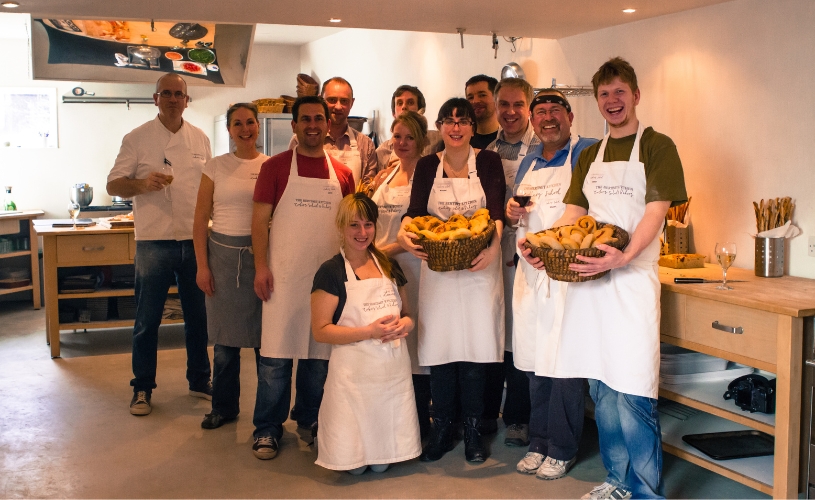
(93, 249)
(810, 362)
(729, 329)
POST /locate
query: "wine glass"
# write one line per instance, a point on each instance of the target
(725, 254)
(73, 211)
(168, 171)
(522, 194)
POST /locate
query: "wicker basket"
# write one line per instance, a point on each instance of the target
(456, 255)
(557, 261)
(275, 108)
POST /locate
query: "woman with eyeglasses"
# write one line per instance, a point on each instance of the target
(367, 416)
(462, 319)
(226, 268)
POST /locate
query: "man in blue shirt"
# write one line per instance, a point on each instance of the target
(556, 417)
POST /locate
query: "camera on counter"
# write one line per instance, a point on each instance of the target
(752, 393)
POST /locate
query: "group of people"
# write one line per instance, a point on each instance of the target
(305, 256)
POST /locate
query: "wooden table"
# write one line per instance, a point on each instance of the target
(770, 312)
(21, 223)
(94, 246)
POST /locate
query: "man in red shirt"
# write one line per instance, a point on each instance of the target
(299, 191)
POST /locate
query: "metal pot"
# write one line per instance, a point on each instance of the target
(119, 201)
(82, 194)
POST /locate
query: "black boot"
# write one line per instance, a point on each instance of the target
(441, 441)
(474, 449)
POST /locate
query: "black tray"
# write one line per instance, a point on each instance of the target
(734, 444)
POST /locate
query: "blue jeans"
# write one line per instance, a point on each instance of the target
(226, 380)
(311, 375)
(630, 440)
(160, 264)
(273, 397)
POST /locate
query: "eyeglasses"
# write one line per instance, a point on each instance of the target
(342, 100)
(169, 93)
(449, 122)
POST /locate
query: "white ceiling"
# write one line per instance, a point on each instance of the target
(528, 18)
(291, 35)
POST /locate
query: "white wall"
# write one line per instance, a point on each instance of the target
(730, 84)
(90, 134)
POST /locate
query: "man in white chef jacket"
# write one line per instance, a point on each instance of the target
(406, 98)
(514, 141)
(610, 327)
(557, 404)
(159, 166)
(353, 149)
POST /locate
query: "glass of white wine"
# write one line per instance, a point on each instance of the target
(725, 254)
(168, 171)
(73, 211)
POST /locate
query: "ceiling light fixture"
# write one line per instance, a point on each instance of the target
(629, 11)
(335, 20)
(10, 5)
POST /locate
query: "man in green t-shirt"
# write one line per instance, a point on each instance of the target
(609, 331)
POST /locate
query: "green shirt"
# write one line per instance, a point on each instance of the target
(664, 178)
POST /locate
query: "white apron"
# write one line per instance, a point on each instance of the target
(303, 236)
(611, 325)
(368, 413)
(462, 311)
(350, 158)
(508, 241)
(393, 203)
(537, 300)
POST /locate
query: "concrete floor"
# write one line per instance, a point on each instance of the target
(65, 431)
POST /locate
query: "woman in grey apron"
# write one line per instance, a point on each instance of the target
(226, 269)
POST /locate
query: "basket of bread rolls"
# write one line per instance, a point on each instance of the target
(453, 244)
(559, 246)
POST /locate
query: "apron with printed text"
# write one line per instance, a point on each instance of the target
(393, 203)
(611, 325)
(350, 158)
(508, 244)
(303, 236)
(536, 300)
(462, 311)
(368, 413)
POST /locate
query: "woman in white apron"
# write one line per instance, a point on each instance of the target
(462, 320)
(226, 268)
(391, 193)
(368, 415)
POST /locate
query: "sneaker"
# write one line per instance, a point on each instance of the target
(140, 404)
(203, 392)
(607, 490)
(213, 420)
(517, 435)
(530, 463)
(554, 469)
(265, 447)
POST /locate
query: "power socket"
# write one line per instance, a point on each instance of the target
(811, 246)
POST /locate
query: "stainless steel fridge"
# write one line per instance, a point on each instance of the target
(273, 138)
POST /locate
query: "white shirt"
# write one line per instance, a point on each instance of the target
(165, 214)
(234, 180)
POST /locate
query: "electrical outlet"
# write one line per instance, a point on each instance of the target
(811, 246)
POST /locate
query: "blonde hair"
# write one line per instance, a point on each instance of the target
(416, 125)
(359, 205)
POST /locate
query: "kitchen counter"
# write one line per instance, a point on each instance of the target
(65, 247)
(759, 324)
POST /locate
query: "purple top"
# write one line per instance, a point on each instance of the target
(490, 172)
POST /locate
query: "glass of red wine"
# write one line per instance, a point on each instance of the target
(522, 194)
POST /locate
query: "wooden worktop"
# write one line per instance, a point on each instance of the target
(787, 295)
(46, 229)
(20, 214)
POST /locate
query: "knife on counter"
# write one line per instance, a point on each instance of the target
(691, 281)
